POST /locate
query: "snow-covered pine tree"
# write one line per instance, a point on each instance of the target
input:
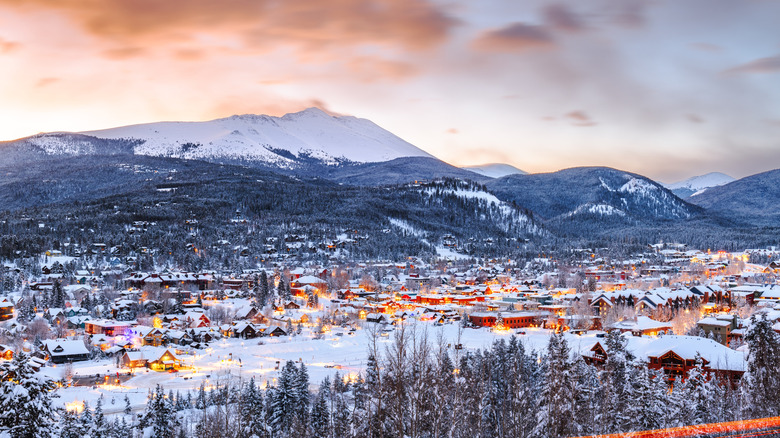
(555, 417)
(282, 407)
(253, 415)
(341, 418)
(762, 379)
(87, 421)
(647, 408)
(99, 421)
(201, 401)
(302, 400)
(320, 414)
(618, 397)
(159, 415)
(264, 289)
(588, 401)
(128, 409)
(58, 295)
(70, 427)
(25, 399)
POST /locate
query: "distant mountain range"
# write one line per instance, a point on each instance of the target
(311, 145)
(698, 184)
(495, 170)
(607, 196)
(755, 198)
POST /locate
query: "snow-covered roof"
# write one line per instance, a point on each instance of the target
(717, 355)
(65, 347)
(641, 323)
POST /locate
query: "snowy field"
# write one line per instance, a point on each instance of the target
(235, 360)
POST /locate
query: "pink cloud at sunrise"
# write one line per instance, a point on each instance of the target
(663, 88)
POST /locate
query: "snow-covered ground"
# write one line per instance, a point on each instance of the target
(234, 359)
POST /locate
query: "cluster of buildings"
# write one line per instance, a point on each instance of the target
(636, 297)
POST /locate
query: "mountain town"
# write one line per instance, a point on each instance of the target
(389, 219)
(128, 350)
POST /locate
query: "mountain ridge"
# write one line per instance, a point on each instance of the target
(495, 170)
(697, 185)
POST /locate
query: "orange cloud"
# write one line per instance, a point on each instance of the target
(370, 69)
(42, 82)
(514, 37)
(8, 46)
(124, 53)
(580, 118)
(406, 24)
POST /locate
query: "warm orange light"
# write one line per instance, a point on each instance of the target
(702, 429)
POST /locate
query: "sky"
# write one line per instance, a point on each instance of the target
(665, 88)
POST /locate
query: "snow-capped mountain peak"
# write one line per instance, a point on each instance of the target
(698, 184)
(495, 170)
(279, 141)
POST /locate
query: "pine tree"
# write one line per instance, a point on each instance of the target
(587, 406)
(262, 298)
(128, 409)
(252, 412)
(698, 394)
(616, 388)
(283, 409)
(58, 295)
(555, 417)
(320, 415)
(87, 421)
(302, 399)
(647, 409)
(70, 426)
(160, 415)
(25, 399)
(99, 421)
(200, 400)
(341, 417)
(762, 379)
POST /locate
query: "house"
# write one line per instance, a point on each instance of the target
(308, 280)
(64, 350)
(676, 355)
(246, 312)
(376, 318)
(277, 331)
(244, 330)
(291, 305)
(148, 335)
(719, 327)
(202, 334)
(106, 327)
(6, 352)
(195, 319)
(595, 355)
(510, 319)
(177, 337)
(156, 359)
(133, 359)
(6, 310)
